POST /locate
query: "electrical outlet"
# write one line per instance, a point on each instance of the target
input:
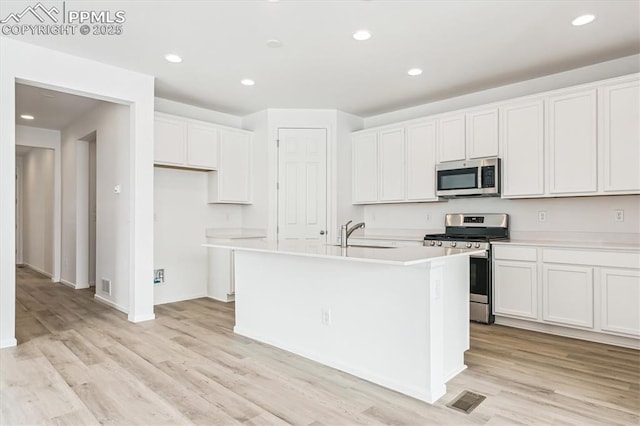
(326, 316)
(542, 216)
(619, 215)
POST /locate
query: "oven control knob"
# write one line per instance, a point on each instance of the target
(477, 245)
(432, 243)
(453, 244)
(468, 245)
(439, 243)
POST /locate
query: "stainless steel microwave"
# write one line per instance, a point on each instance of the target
(468, 178)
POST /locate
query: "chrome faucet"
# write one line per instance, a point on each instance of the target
(345, 232)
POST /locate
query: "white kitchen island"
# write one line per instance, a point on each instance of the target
(398, 317)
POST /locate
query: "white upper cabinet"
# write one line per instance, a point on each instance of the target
(620, 124)
(522, 148)
(202, 146)
(233, 182)
(180, 142)
(469, 135)
(394, 164)
(572, 142)
(170, 140)
(579, 141)
(482, 133)
(364, 157)
(391, 148)
(451, 138)
(421, 161)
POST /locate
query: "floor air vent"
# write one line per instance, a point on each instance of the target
(106, 286)
(467, 401)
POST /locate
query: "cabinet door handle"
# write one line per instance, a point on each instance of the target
(322, 232)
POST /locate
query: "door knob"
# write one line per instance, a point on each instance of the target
(322, 232)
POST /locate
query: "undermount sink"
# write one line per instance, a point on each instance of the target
(365, 246)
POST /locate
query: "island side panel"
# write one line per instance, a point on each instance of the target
(370, 320)
(456, 314)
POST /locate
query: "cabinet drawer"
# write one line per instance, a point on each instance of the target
(592, 258)
(527, 254)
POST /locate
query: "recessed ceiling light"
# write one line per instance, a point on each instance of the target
(414, 71)
(583, 20)
(173, 58)
(27, 117)
(247, 82)
(274, 43)
(362, 35)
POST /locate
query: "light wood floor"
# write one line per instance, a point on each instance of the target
(79, 362)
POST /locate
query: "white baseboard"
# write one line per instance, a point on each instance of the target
(108, 302)
(181, 299)
(227, 300)
(8, 343)
(142, 318)
(38, 270)
(68, 283)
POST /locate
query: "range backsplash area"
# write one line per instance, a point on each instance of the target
(569, 218)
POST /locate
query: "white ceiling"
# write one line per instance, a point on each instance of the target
(50, 109)
(463, 47)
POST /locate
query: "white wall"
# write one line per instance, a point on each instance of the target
(573, 218)
(110, 122)
(346, 211)
(181, 217)
(37, 210)
(256, 215)
(197, 113)
(182, 214)
(49, 139)
(29, 64)
(601, 71)
(263, 213)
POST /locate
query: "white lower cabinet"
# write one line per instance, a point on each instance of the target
(620, 301)
(593, 294)
(516, 288)
(567, 295)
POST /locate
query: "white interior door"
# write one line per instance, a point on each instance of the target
(302, 184)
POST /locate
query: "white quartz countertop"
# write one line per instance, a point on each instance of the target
(403, 256)
(593, 245)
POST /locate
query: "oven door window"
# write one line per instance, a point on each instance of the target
(458, 179)
(479, 279)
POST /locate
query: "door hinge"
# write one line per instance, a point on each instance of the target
(277, 143)
(278, 185)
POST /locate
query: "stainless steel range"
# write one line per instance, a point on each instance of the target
(475, 232)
